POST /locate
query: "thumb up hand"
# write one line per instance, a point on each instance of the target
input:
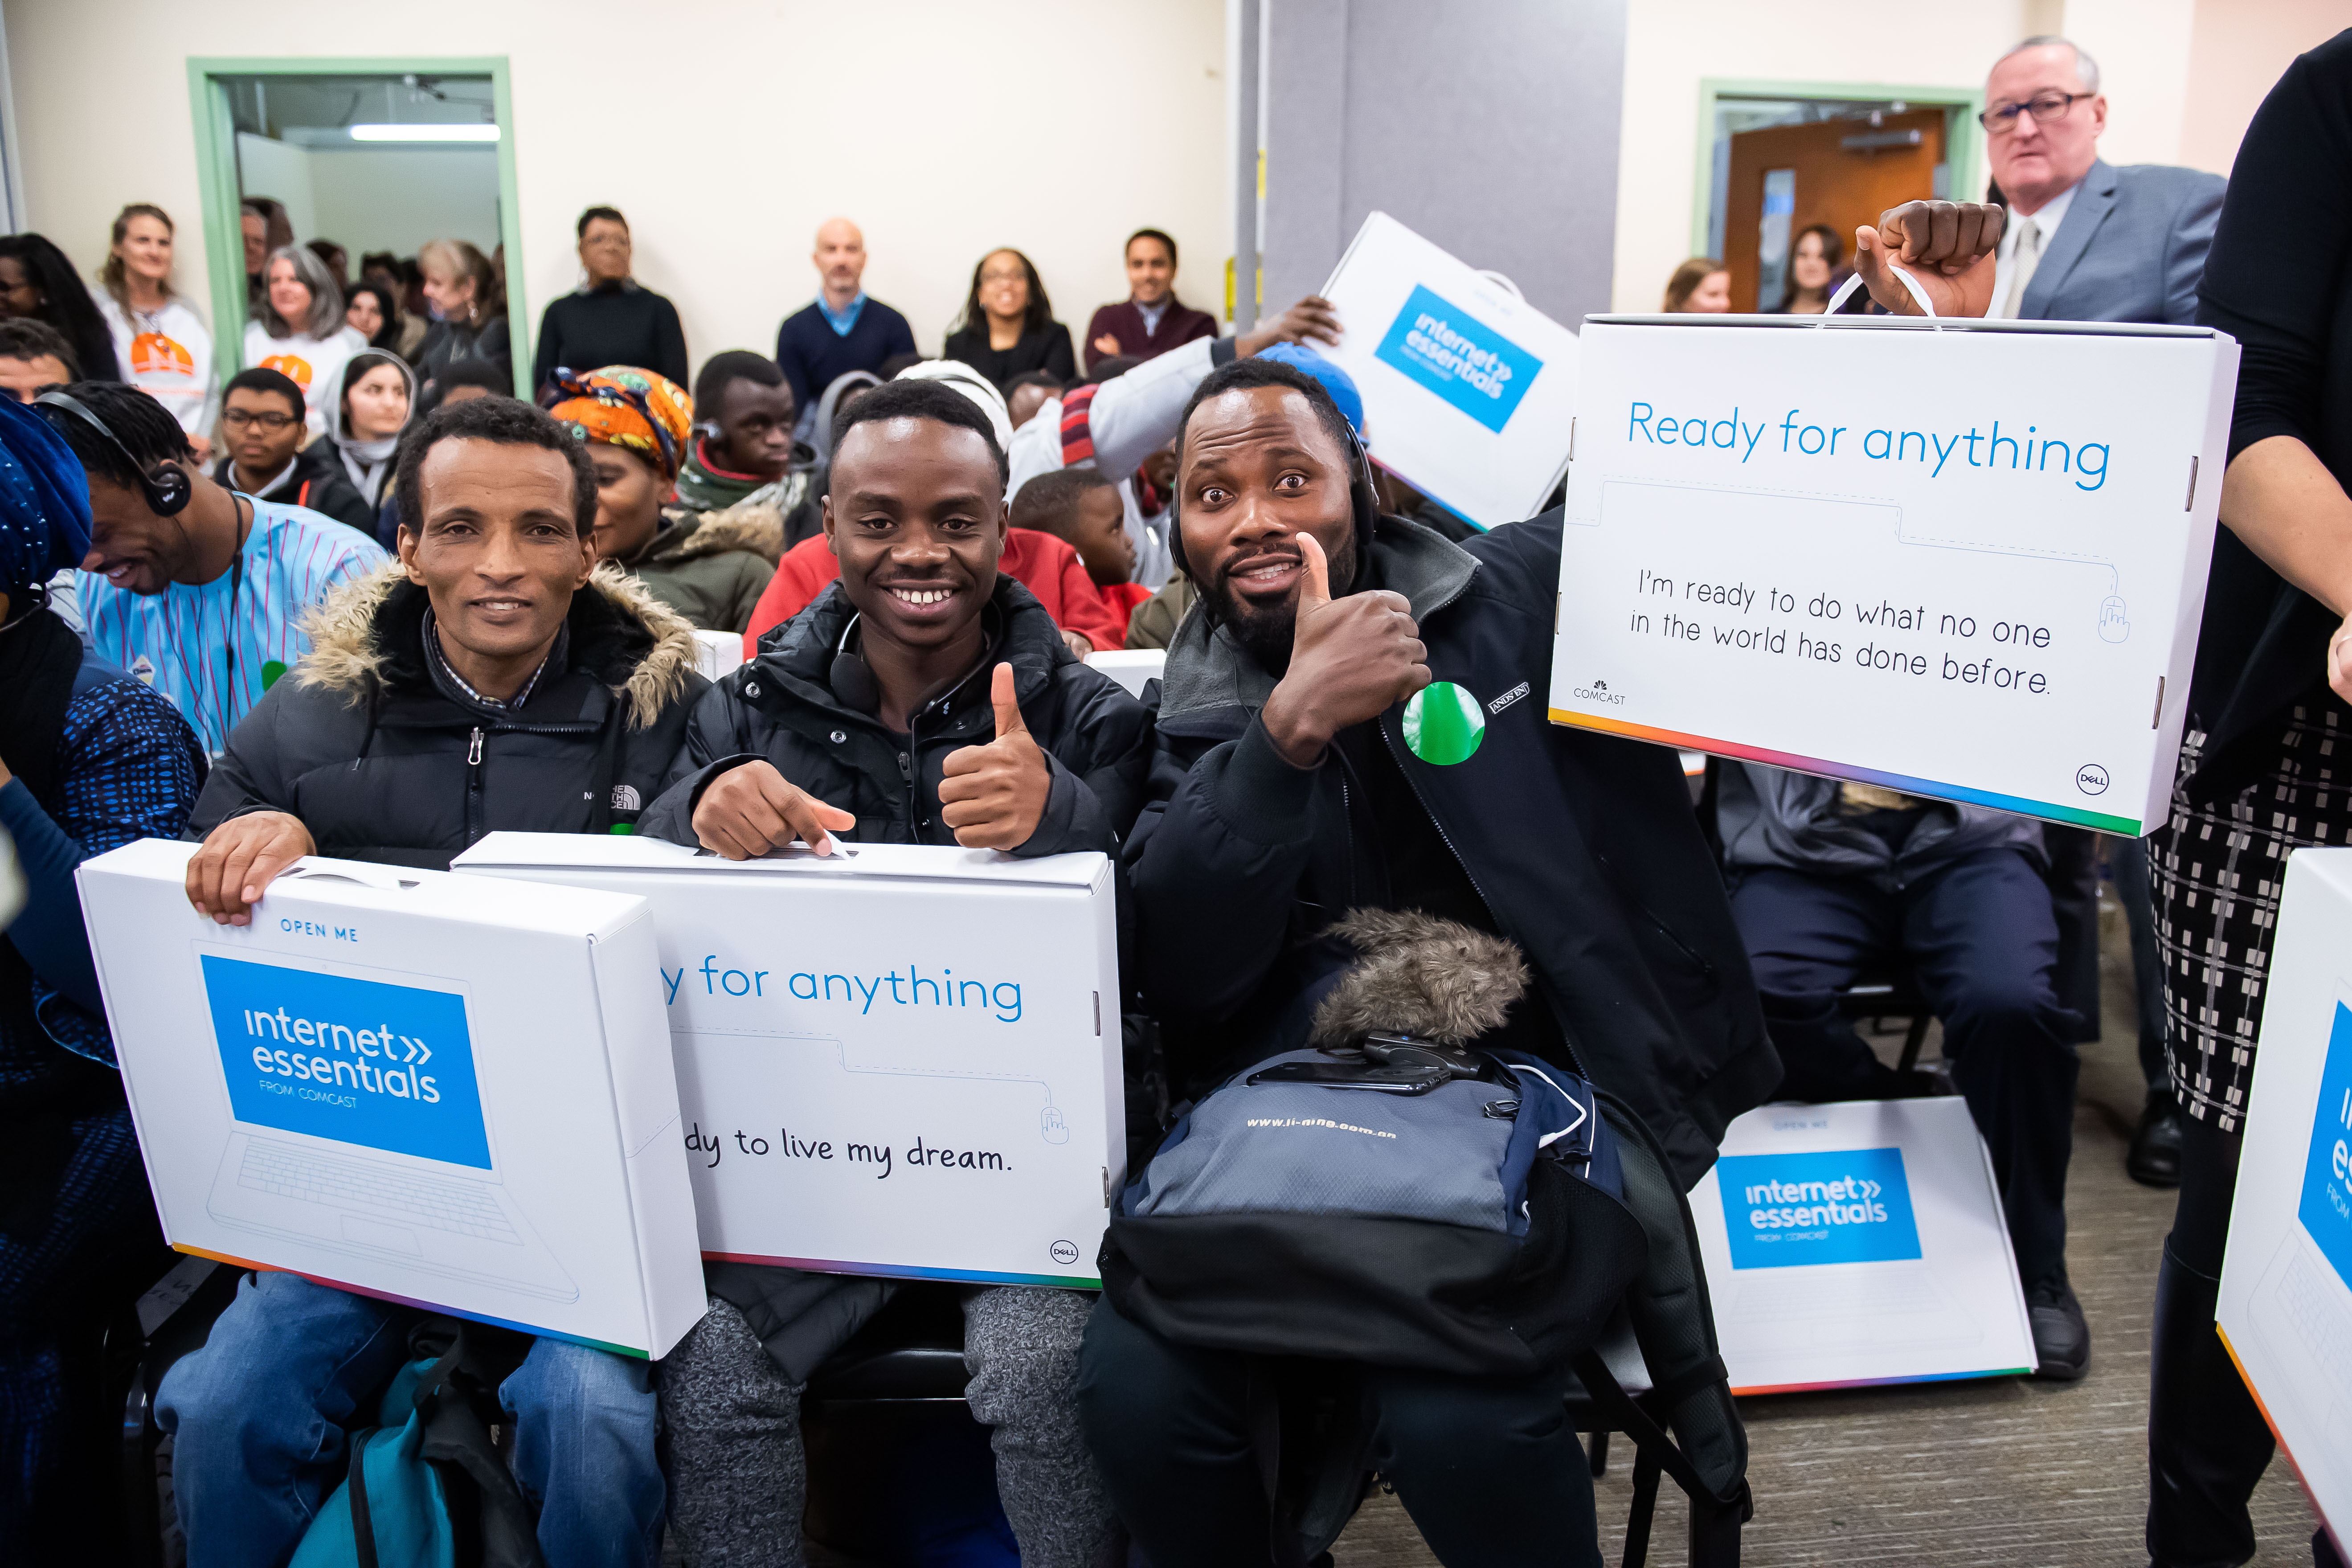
(994, 796)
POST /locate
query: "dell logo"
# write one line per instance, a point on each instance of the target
(2091, 779)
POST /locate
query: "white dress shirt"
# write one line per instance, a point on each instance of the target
(2052, 213)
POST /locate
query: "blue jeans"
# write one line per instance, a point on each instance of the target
(258, 1417)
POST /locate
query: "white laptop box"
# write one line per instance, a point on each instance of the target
(1859, 1243)
(1467, 388)
(450, 1093)
(902, 1059)
(2286, 1279)
(1961, 559)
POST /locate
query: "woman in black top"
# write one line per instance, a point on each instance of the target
(2274, 675)
(1008, 323)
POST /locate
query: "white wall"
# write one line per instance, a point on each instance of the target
(272, 169)
(726, 130)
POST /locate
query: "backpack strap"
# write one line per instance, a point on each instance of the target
(355, 1490)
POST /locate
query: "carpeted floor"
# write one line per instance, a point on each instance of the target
(1956, 1475)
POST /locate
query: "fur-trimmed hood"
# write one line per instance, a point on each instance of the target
(1418, 974)
(751, 525)
(367, 636)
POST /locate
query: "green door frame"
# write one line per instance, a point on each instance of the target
(216, 178)
(1963, 142)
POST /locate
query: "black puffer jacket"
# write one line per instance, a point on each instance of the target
(1582, 847)
(782, 706)
(364, 743)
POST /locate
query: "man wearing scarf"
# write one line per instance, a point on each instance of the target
(707, 567)
(90, 760)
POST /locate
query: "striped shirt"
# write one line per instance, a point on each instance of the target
(208, 646)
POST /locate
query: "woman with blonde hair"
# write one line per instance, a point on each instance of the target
(469, 310)
(165, 349)
(298, 329)
(1701, 285)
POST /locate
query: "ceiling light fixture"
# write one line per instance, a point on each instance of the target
(425, 132)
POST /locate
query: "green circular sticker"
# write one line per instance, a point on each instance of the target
(1443, 724)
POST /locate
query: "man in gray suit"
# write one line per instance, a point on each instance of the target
(2089, 242)
(2086, 241)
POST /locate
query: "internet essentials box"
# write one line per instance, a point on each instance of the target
(1960, 558)
(900, 1060)
(2286, 1278)
(1859, 1243)
(448, 1093)
(1467, 388)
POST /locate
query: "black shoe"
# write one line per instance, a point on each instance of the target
(2155, 1157)
(2062, 1340)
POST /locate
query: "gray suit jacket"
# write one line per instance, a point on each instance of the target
(2132, 248)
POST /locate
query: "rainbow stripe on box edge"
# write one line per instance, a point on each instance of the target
(1877, 1382)
(2073, 815)
(2334, 1535)
(606, 1345)
(901, 1271)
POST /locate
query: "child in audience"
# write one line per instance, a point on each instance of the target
(1082, 507)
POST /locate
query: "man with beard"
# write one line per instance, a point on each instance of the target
(1294, 780)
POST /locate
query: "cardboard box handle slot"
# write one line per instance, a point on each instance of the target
(317, 868)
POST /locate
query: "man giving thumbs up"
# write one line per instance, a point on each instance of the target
(922, 699)
(1353, 717)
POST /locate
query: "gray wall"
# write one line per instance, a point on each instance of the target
(1490, 126)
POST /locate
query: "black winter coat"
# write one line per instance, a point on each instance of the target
(782, 706)
(381, 762)
(1583, 848)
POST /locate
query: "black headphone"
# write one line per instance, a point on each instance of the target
(1363, 504)
(851, 677)
(167, 488)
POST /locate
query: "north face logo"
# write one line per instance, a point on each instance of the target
(626, 798)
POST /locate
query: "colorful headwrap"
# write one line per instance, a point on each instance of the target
(622, 406)
(44, 501)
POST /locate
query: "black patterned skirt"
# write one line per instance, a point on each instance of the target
(2219, 870)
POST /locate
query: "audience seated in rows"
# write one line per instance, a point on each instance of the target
(542, 710)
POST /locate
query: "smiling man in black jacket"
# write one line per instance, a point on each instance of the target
(1289, 786)
(922, 698)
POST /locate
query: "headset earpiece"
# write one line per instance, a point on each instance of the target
(851, 677)
(167, 486)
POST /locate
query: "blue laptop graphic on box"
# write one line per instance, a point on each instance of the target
(1459, 357)
(1849, 1207)
(454, 1095)
(347, 1065)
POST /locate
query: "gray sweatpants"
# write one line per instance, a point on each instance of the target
(738, 1475)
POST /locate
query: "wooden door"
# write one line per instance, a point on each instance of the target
(1834, 183)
